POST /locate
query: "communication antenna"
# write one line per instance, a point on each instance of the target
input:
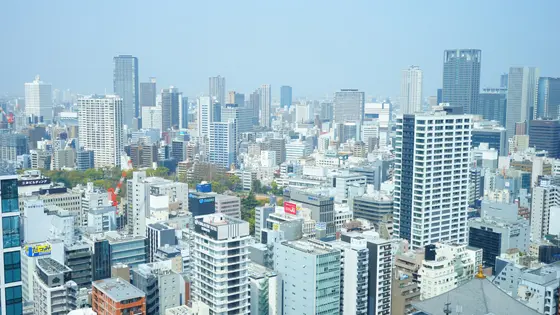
(446, 309)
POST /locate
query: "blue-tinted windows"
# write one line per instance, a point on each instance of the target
(14, 301)
(10, 232)
(9, 191)
(12, 267)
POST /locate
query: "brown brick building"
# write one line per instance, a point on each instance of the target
(114, 296)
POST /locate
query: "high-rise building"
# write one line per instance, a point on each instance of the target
(159, 235)
(310, 277)
(264, 285)
(431, 183)
(223, 143)
(521, 96)
(461, 78)
(411, 90)
(13, 145)
(152, 117)
(285, 96)
(10, 286)
(171, 100)
(221, 261)
(548, 98)
(53, 290)
(242, 116)
(492, 105)
(236, 98)
(255, 104)
(148, 93)
(161, 286)
(125, 85)
(114, 296)
(38, 99)
(545, 135)
(184, 113)
(543, 197)
(100, 120)
(204, 104)
(504, 80)
(217, 89)
(348, 105)
(491, 133)
(265, 102)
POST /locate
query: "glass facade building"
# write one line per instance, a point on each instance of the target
(285, 96)
(10, 289)
(125, 85)
(461, 78)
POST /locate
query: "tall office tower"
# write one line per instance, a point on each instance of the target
(222, 144)
(303, 112)
(265, 102)
(217, 89)
(439, 97)
(431, 183)
(504, 81)
(148, 93)
(13, 145)
(242, 115)
(548, 98)
(461, 78)
(152, 117)
(255, 104)
(125, 85)
(171, 100)
(204, 105)
(114, 296)
(285, 96)
(53, 291)
(184, 113)
(411, 90)
(348, 105)
(327, 111)
(10, 286)
(492, 104)
(221, 259)
(545, 135)
(310, 278)
(521, 96)
(100, 121)
(236, 98)
(38, 99)
(543, 197)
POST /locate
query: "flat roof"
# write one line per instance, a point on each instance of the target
(307, 247)
(52, 267)
(118, 289)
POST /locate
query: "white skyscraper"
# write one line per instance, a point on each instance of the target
(221, 261)
(152, 117)
(432, 178)
(38, 99)
(544, 197)
(411, 90)
(217, 89)
(204, 104)
(222, 143)
(100, 121)
(521, 96)
(266, 102)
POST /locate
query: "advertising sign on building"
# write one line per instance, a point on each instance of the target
(290, 208)
(38, 250)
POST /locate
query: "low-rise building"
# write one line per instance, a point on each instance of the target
(116, 296)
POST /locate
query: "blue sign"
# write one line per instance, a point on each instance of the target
(206, 200)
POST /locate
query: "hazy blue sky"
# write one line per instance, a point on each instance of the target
(315, 46)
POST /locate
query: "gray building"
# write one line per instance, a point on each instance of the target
(348, 106)
(84, 159)
(161, 285)
(171, 100)
(521, 97)
(372, 207)
(310, 278)
(321, 206)
(242, 116)
(148, 93)
(492, 104)
(261, 215)
(489, 132)
(285, 96)
(217, 89)
(278, 145)
(12, 145)
(461, 78)
(125, 85)
(78, 257)
(548, 98)
(53, 291)
(159, 235)
(265, 287)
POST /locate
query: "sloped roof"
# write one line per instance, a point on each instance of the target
(476, 297)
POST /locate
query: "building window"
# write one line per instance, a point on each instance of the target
(9, 191)
(14, 301)
(12, 267)
(10, 232)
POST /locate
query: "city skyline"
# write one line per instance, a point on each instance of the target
(367, 68)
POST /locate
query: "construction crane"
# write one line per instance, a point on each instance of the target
(114, 192)
(9, 117)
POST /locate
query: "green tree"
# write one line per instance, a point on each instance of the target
(248, 205)
(257, 187)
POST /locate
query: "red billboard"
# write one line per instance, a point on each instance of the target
(290, 208)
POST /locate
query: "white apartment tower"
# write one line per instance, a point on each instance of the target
(411, 90)
(521, 96)
(100, 121)
(432, 178)
(544, 196)
(204, 106)
(38, 99)
(221, 262)
(265, 119)
(222, 143)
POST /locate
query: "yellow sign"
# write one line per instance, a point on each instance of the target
(38, 250)
(275, 227)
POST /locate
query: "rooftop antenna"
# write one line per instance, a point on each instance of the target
(446, 309)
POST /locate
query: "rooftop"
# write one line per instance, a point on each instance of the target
(476, 297)
(218, 219)
(305, 246)
(257, 271)
(52, 267)
(117, 289)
